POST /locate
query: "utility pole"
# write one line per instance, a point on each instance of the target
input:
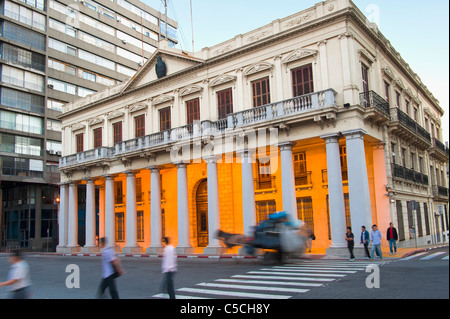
(165, 7)
(192, 29)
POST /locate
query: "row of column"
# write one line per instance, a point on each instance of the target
(358, 193)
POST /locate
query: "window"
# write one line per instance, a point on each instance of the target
(302, 80)
(365, 83)
(98, 137)
(261, 92)
(193, 111)
(397, 99)
(140, 226)
(120, 227)
(264, 180)
(263, 209)
(343, 158)
(224, 103)
(386, 92)
(305, 211)
(117, 132)
(300, 163)
(139, 125)
(164, 119)
(118, 192)
(79, 142)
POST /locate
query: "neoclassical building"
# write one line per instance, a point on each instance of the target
(315, 114)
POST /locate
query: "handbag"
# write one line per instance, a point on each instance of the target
(116, 273)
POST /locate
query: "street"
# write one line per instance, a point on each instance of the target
(423, 275)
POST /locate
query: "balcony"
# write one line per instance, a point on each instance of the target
(302, 108)
(265, 184)
(439, 150)
(377, 109)
(344, 174)
(405, 127)
(303, 180)
(409, 175)
(440, 193)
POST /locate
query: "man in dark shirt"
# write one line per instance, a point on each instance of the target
(350, 242)
(392, 237)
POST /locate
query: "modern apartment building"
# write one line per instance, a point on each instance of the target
(315, 114)
(53, 52)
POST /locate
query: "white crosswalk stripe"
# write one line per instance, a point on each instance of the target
(432, 255)
(424, 256)
(277, 282)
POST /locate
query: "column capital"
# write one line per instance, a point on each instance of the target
(356, 133)
(108, 176)
(153, 168)
(181, 164)
(331, 138)
(130, 173)
(246, 152)
(285, 146)
(212, 158)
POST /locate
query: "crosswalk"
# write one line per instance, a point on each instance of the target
(277, 282)
(427, 255)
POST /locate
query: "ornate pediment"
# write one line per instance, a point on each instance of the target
(258, 67)
(162, 99)
(388, 72)
(78, 126)
(96, 120)
(190, 89)
(300, 54)
(399, 83)
(115, 114)
(137, 107)
(221, 79)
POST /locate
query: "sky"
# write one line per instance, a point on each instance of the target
(417, 29)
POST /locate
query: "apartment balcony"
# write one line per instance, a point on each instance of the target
(439, 150)
(440, 193)
(314, 106)
(408, 175)
(303, 180)
(377, 108)
(265, 184)
(405, 127)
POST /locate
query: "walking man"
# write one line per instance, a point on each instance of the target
(376, 242)
(365, 240)
(111, 269)
(169, 267)
(392, 237)
(349, 237)
(18, 277)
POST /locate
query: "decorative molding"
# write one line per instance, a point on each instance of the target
(300, 54)
(388, 72)
(258, 67)
(399, 83)
(363, 54)
(114, 114)
(302, 19)
(137, 107)
(258, 36)
(77, 127)
(96, 120)
(190, 89)
(222, 50)
(162, 99)
(221, 79)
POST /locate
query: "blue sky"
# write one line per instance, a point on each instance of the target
(418, 29)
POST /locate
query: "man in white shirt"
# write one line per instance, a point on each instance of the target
(169, 267)
(111, 269)
(18, 277)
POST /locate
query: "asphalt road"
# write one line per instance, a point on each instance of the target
(418, 277)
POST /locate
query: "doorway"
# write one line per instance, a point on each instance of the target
(202, 214)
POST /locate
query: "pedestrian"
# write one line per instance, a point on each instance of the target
(18, 277)
(350, 242)
(111, 269)
(365, 240)
(392, 237)
(309, 237)
(376, 242)
(169, 267)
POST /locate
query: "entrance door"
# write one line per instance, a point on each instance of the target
(202, 214)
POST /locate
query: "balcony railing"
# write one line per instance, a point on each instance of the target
(302, 179)
(410, 124)
(264, 183)
(344, 174)
(273, 111)
(372, 99)
(440, 146)
(440, 191)
(409, 174)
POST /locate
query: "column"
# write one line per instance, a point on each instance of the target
(214, 246)
(72, 244)
(90, 245)
(358, 182)
(248, 193)
(335, 195)
(101, 213)
(183, 210)
(156, 246)
(63, 217)
(131, 246)
(287, 179)
(110, 223)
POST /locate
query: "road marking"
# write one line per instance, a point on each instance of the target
(166, 296)
(265, 282)
(314, 270)
(251, 287)
(414, 256)
(284, 278)
(294, 274)
(433, 255)
(445, 258)
(319, 267)
(233, 293)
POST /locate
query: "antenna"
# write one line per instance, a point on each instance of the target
(192, 29)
